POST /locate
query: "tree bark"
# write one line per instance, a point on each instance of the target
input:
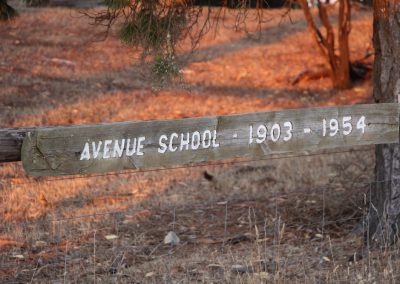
(343, 80)
(339, 63)
(312, 27)
(329, 41)
(384, 211)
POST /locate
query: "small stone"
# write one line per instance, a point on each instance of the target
(150, 274)
(111, 237)
(18, 256)
(171, 239)
(325, 258)
(238, 268)
(40, 243)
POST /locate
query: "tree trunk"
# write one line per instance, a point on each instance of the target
(329, 44)
(339, 63)
(384, 210)
(344, 27)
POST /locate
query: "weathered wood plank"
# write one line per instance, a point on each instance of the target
(10, 143)
(148, 144)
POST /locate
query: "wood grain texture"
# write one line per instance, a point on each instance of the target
(59, 150)
(10, 143)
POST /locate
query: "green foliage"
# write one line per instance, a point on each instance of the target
(164, 70)
(155, 26)
(6, 11)
(149, 30)
(145, 30)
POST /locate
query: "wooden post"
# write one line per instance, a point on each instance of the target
(11, 142)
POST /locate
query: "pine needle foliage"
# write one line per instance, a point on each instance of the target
(158, 26)
(164, 70)
(147, 23)
(150, 31)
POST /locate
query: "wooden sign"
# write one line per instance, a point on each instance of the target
(151, 144)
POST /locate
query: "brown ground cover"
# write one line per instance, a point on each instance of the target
(292, 219)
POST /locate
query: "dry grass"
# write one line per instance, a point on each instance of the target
(285, 220)
(281, 219)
